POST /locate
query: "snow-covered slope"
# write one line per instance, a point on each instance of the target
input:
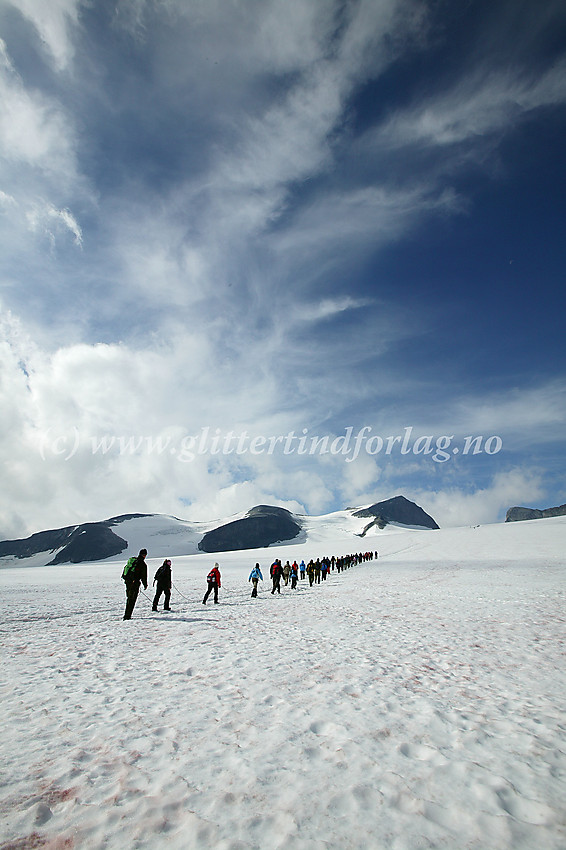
(416, 700)
(338, 533)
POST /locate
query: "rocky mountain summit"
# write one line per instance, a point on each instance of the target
(262, 526)
(397, 510)
(520, 514)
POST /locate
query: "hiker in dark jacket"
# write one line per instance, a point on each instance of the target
(310, 572)
(136, 575)
(294, 575)
(213, 579)
(276, 571)
(163, 579)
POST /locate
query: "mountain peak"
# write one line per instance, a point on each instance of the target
(398, 510)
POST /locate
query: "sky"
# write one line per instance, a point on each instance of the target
(297, 252)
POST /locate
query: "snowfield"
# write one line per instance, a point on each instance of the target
(414, 701)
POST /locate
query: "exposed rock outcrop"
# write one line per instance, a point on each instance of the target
(262, 526)
(520, 514)
(400, 510)
(91, 541)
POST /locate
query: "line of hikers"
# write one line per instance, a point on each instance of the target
(135, 574)
(316, 570)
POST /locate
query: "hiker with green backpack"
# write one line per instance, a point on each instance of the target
(134, 574)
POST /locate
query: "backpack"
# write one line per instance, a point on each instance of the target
(129, 568)
(159, 574)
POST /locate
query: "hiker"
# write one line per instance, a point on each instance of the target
(302, 569)
(310, 572)
(163, 579)
(294, 575)
(255, 576)
(276, 571)
(135, 573)
(213, 579)
(286, 573)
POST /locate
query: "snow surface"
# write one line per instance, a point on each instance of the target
(416, 701)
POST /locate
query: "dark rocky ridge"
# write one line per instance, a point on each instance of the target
(398, 509)
(262, 526)
(91, 541)
(520, 514)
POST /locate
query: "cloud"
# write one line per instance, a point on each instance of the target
(7, 201)
(338, 224)
(528, 416)
(96, 430)
(480, 105)
(50, 221)
(54, 22)
(193, 199)
(328, 307)
(39, 176)
(458, 506)
(33, 128)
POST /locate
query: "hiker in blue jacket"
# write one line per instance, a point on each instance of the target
(255, 576)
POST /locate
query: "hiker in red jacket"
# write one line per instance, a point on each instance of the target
(213, 579)
(276, 571)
